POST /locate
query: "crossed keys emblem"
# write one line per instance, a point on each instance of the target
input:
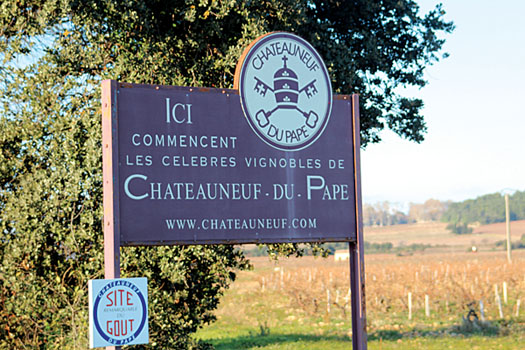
(286, 92)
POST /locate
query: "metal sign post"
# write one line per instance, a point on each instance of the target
(184, 165)
(357, 253)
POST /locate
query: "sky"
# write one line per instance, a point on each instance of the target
(474, 113)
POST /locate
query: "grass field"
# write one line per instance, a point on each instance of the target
(304, 303)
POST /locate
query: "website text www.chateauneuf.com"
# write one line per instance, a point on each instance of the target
(241, 224)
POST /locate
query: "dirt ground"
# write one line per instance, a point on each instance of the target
(435, 233)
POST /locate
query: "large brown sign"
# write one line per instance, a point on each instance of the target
(188, 169)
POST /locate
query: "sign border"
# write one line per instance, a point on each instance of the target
(112, 229)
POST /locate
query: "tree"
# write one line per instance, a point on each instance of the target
(459, 228)
(485, 209)
(382, 214)
(431, 210)
(55, 54)
(370, 215)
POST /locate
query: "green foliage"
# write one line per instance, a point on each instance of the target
(378, 247)
(55, 54)
(473, 325)
(486, 209)
(459, 228)
(259, 250)
(370, 47)
(514, 245)
(274, 251)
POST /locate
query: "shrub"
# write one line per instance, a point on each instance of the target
(459, 228)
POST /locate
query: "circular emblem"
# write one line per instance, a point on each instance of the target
(125, 300)
(285, 91)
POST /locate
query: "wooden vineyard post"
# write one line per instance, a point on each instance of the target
(357, 258)
(110, 176)
(482, 310)
(409, 305)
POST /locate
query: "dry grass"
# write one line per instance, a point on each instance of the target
(284, 305)
(304, 303)
(454, 283)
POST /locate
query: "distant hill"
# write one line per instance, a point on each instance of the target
(486, 209)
